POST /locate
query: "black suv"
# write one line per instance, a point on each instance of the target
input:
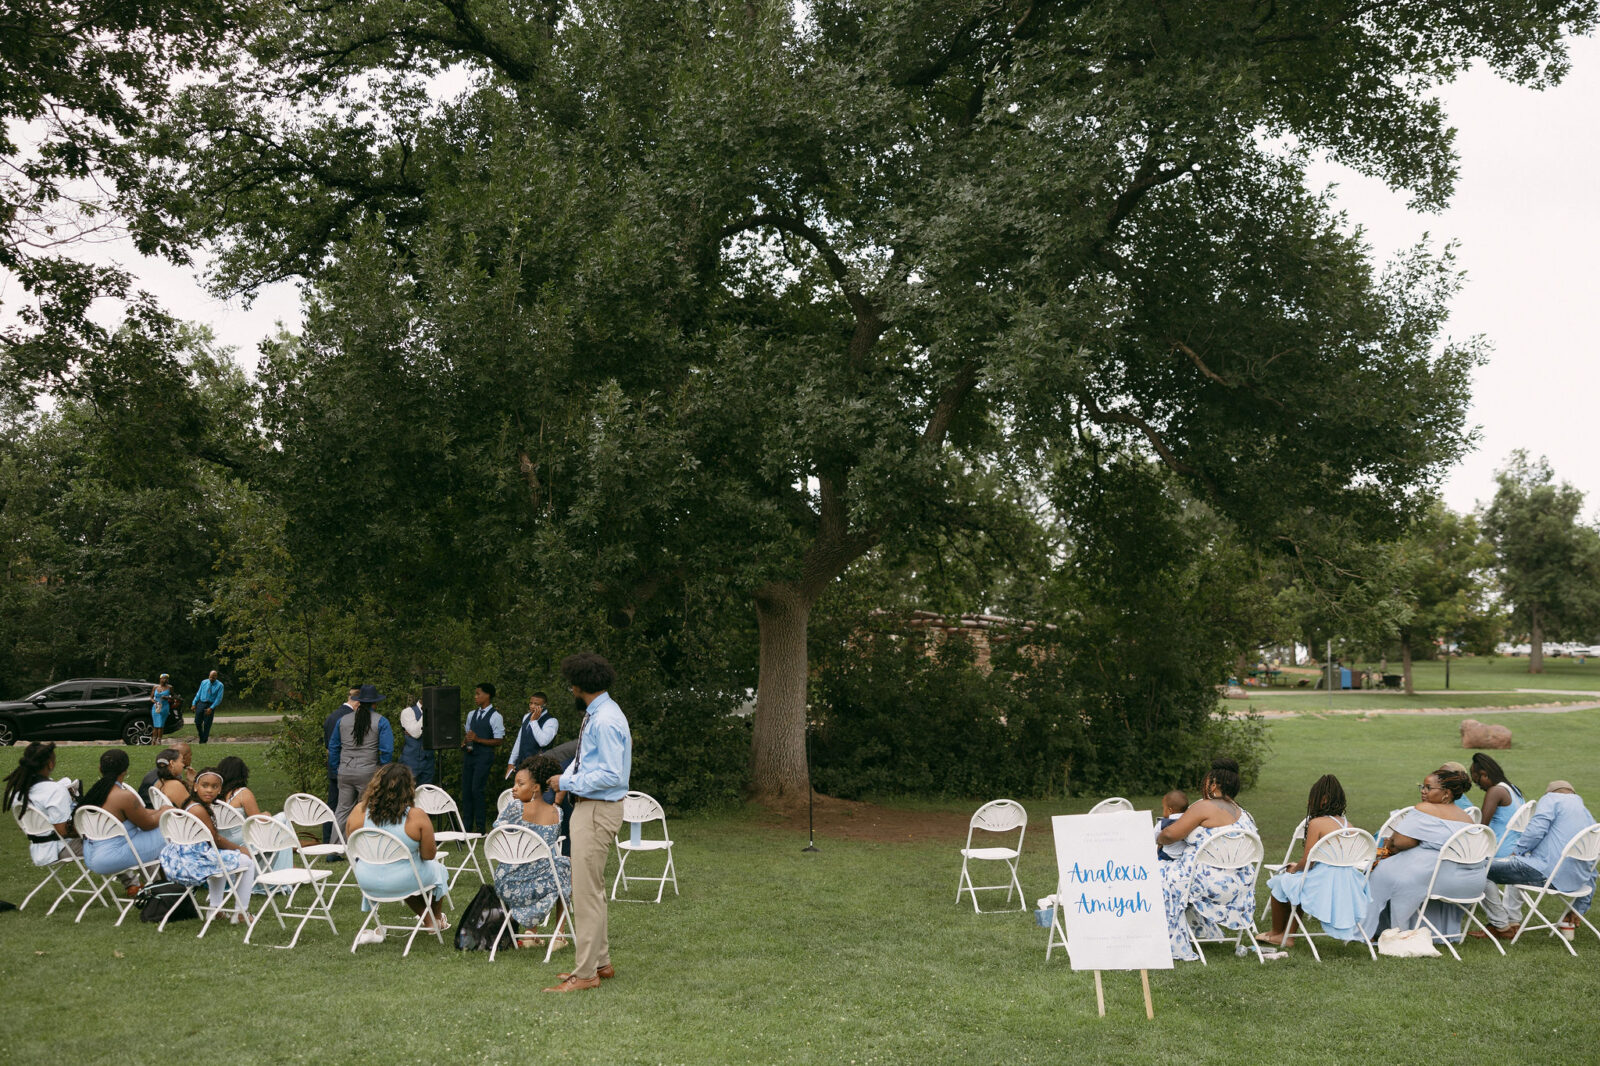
(86, 708)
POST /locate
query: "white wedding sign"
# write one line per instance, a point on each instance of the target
(1109, 891)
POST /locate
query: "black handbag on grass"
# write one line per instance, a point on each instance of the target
(483, 918)
(159, 897)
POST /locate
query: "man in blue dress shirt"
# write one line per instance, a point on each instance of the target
(485, 730)
(204, 706)
(1559, 817)
(597, 780)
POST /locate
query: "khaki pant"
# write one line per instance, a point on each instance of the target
(594, 826)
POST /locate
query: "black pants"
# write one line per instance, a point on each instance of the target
(202, 722)
(475, 769)
(333, 805)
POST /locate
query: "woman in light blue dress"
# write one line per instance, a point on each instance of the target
(115, 795)
(387, 805)
(530, 892)
(1399, 879)
(1502, 905)
(236, 793)
(1336, 896)
(1219, 899)
(160, 707)
(215, 863)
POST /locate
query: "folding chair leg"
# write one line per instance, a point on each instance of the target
(67, 892)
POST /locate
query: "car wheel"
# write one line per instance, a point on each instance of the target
(8, 733)
(136, 732)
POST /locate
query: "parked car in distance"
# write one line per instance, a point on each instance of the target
(86, 708)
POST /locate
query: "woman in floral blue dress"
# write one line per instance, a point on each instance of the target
(214, 863)
(529, 891)
(1220, 899)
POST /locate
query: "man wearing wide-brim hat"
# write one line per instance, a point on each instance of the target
(362, 742)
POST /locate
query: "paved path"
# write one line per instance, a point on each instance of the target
(1467, 712)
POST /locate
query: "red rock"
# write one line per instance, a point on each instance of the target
(1474, 734)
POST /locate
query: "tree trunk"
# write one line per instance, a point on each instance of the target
(778, 770)
(1405, 662)
(1536, 645)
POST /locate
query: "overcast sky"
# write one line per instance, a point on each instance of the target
(1526, 216)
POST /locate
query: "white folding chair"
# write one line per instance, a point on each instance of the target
(1111, 803)
(516, 845)
(304, 809)
(506, 799)
(996, 816)
(1582, 850)
(35, 824)
(382, 848)
(159, 800)
(96, 824)
(1469, 847)
(1351, 848)
(227, 818)
(1476, 814)
(266, 837)
(1298, 836)
(638, 810)
(437, 803)
(1058, 930)
(1229, 849)
(181, 827)
(1520, 820)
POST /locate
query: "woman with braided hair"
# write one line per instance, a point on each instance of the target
(1399, 877)
(30, 785)
(1336, 896)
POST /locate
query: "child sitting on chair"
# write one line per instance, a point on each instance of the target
(1173, 804)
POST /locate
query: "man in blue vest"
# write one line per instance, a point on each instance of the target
(485, 730)
(206, 698)
(537, 733)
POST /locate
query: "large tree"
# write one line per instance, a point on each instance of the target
(1549, 559)
(725, 294)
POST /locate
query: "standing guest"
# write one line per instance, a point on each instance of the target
(1560, 816)
(1502, 907)
(485, 730)
(191, 864)
(597, 780)
(362, 742)
(329, 724)
(204, 705)
(416, 757)
(29, 785)
(529, 890)
(1400, 874)
(1336, 896)
(537, 733)
(119, 799)
(160, 707)
(1220, 898)
(389, 804)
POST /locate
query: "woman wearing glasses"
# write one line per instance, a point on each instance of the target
(1399, 879)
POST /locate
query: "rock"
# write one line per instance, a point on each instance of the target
(1474, 734)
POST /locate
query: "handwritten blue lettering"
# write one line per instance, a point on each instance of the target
(1120, 906)
(1109, 873)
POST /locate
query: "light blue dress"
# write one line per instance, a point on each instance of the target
(1220, 898)
(396, 878)
(1502, 817)
(112, 856)
(160, 707)
(1336, 896)
(1399, 882)
(281, 860)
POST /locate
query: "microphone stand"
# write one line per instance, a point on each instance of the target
(811, 823)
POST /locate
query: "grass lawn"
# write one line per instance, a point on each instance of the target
(1308, 701)
(1501, 672)
(856, 954)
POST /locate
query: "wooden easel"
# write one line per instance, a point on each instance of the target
(1100, 994)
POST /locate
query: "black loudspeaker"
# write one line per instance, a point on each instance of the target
(441, 717)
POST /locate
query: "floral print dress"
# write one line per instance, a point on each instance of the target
(529, 891)
(1221, 899)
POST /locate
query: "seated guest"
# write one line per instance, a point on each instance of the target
(1220, 898)
(1463, 801)
(236, 786)
(191, 864)
(1399, 877)
(1559, 818)
(1502, 907)
(530, 891)
(29, 785)
(1336, 896)
(1173, 804)
(170, 777)
(117, 797)
(387, 804)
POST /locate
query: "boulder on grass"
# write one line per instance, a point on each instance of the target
(1474, 734)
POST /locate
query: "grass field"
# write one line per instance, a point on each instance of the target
(855, 954)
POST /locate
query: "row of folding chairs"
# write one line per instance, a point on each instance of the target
(639, 811)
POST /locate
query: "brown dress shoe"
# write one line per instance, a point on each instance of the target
(575, 984)
(607, 972)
